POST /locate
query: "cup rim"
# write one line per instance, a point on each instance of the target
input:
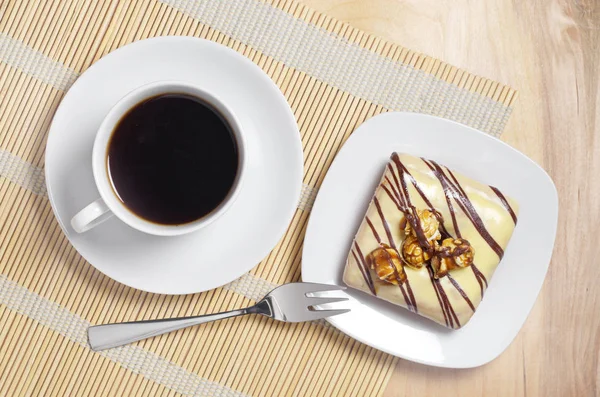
(102, 140)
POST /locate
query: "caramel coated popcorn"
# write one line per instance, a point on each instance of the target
(413, 254)
(453, 253)
(429, 224)
(387, 264)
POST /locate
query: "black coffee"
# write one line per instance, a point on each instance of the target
(172, 159)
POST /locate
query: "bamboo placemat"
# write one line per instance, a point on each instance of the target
(334, 77)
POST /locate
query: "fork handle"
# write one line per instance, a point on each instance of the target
(107, 336)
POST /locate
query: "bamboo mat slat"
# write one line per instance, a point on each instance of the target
(334, 77)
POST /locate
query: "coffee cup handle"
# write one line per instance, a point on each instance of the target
(91, 216)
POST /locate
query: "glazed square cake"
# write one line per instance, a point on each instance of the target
(431, 240)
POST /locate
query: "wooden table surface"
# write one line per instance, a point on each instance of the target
(549, 50)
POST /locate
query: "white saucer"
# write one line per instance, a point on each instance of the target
(237, 241)
(340, 207)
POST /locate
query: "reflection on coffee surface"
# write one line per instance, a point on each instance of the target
(172, 159)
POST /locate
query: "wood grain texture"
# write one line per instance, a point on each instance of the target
(549, 50)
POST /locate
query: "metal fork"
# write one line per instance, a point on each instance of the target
(288, 302)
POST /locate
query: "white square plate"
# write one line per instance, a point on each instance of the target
(342, 202)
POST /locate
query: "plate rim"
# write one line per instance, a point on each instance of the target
(495, 141)
(288, 114)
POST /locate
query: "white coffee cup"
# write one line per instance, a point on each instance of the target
(109, 203)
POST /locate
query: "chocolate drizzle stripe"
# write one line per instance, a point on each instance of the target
(411, 295)
(450, 307)
(437, 294)
(456, 183)
(397, 190)
(408, 287)
(452, 191)
(411, 303)
(461, 292)
(394, 195)
(365, 275)
(413, 181)
(404, 197)
(373, 230)
(425, 199)
(467, 207)
(405, 202)
(505, 203)
(404, 173)
(364, 269)
(390, 262)
(447, 304)
(386, 226)
(476, 271)
(441, 301)
(448, 197)
(478, 275)
(414, 217)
